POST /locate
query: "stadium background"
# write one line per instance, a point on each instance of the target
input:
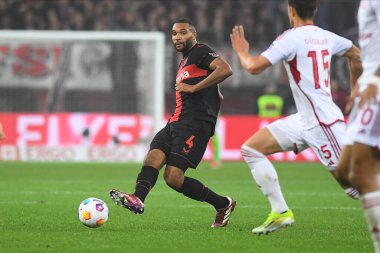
(26, 94)
(39, 200)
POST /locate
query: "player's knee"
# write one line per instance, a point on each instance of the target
(250, 154)
(155, 158)
(173, 178)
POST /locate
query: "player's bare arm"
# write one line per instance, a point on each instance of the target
(253, 64)
(356, 69)
(369, 95)
(220, 71)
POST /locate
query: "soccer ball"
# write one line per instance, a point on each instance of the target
(93, 212)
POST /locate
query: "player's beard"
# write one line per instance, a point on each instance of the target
(187, 45)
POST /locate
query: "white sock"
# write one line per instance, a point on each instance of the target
(266, 178)
(371, 207)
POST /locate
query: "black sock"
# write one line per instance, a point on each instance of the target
(194, 189)
(145, 181)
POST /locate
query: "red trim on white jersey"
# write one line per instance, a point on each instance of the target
(307, 24)
(279, 37)
(333, 142)
(324, 124)
(375, 131)
(334, 138)
(331, 139)
(294, 70)
(315, 112)
(295, 149)
(325, 127)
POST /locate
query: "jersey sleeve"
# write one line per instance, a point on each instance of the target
(281, 49)
(205, 55)
(339, 44)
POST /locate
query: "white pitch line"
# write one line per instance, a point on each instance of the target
(160, 193)
(317, 194)
(337, 208)
(50, 192)
(340, 208)
(30, 203)
(132, 181)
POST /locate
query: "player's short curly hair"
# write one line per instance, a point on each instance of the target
(305, 9)
(186, 21)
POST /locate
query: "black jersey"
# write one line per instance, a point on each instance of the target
(203, 104)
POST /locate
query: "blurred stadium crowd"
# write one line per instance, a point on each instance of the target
(214, 19)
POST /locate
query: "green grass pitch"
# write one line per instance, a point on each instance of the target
(39, 204)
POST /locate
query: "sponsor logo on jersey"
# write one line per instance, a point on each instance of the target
(182, 75)
(215, 55)
(186, 151)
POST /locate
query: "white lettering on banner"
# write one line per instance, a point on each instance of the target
(146, 128)
(53, 131)
(8, 153)
(95, 125)
(56, 130)
(25, 131)
(60, 137)
(77, 154)
(117, 125)
(50, 154)
(78, 123)
(121, 154)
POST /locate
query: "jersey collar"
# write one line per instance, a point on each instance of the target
(185, 54)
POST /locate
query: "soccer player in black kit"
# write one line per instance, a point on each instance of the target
(182, 142)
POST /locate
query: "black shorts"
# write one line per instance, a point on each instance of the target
(184, 143)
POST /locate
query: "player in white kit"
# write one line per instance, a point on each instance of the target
(360, 157)
(306, 52)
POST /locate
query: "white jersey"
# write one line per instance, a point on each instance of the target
(369, 39)
(306, 52)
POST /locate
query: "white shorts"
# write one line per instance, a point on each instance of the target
(326, 141)
(364, 125)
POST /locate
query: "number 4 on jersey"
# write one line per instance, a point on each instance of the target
(314, 57)
(189, 141)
